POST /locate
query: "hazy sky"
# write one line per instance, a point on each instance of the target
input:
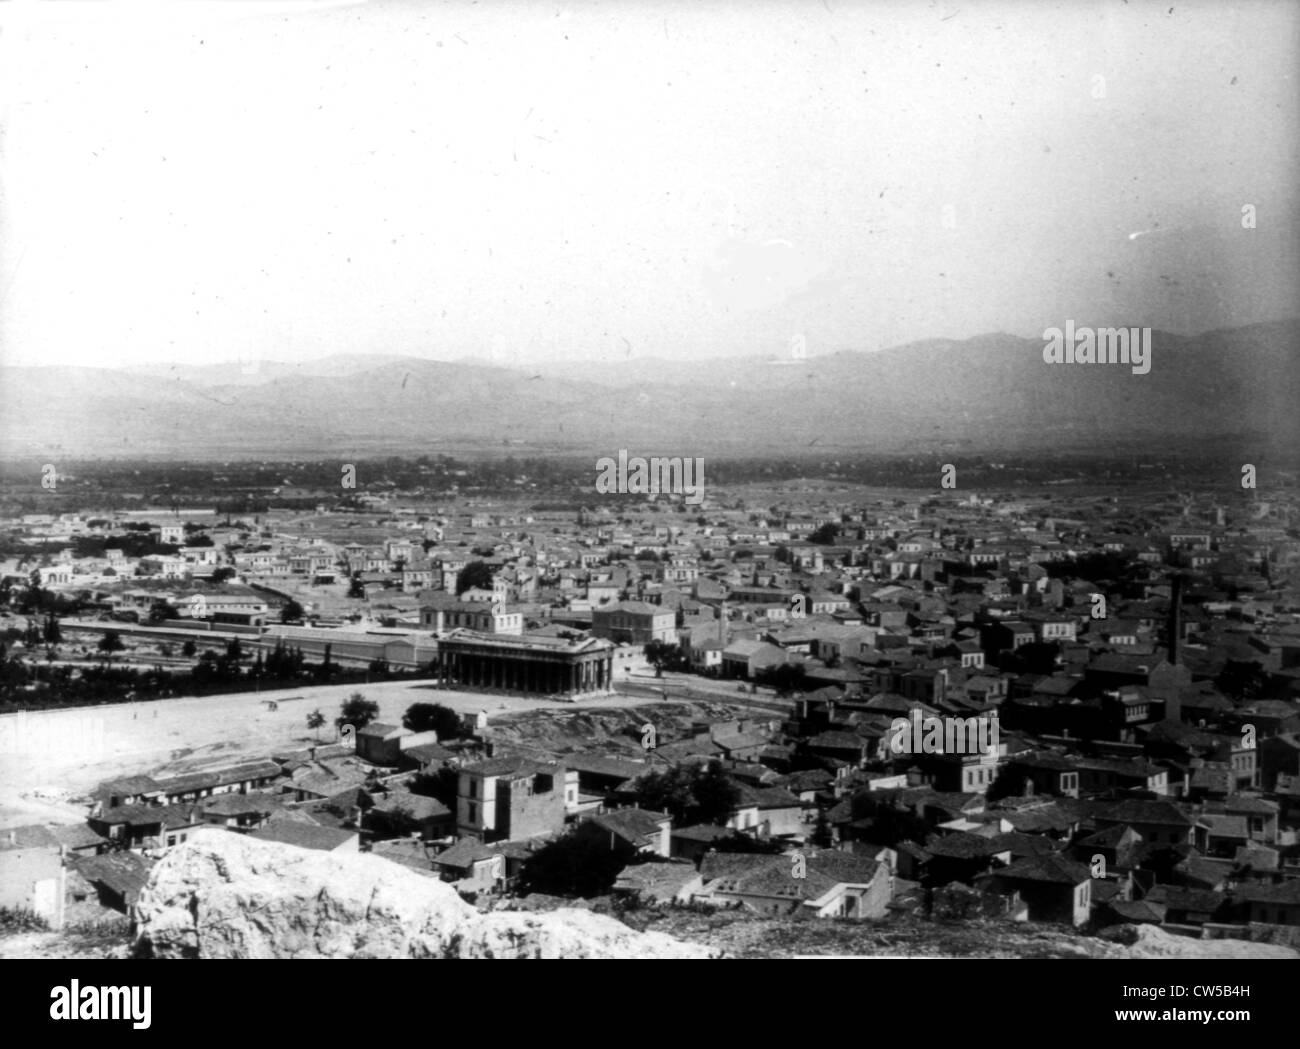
(538, 181)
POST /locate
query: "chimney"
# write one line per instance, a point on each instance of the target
(1174, 627)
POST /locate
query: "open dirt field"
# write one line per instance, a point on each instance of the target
(50, 758)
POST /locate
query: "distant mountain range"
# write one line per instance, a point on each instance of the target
(990, 393)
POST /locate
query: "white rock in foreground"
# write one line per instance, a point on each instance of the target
(1149, 941)
(224, 895)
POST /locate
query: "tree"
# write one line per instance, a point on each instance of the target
(292, 613)
(786, 678)
(110, 643)
(395, 821)
(715, 795)
(821, 836)
(316, 721)
(825, 534)
(690, 794)
(355, 589)
(737, 841)
(661, 654)
(1243, 680)
(580, 863)
(326, 668)
(53, 634)
(426, 717)
(357, 711)
(234, 650)
(161, 611)
(220, 575)
(189, 648)
(477, 575)
(441, 785)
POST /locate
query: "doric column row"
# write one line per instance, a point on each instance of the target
(481, 670)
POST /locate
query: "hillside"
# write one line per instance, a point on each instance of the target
(989, 393)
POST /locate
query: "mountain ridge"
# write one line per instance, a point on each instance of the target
(991, 392)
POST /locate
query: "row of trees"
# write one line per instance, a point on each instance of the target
(26, 684)
(359, 712)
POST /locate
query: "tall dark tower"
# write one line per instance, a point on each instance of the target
(1174, 635)
(1174, 623)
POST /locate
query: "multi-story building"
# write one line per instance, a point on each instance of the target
(444, 612)
(507, 799)
(634, 622)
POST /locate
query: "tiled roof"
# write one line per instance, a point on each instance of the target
(1048, 868)
(632, 824)
(304, 835)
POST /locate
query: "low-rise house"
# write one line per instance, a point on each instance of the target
(240, 811)
(116, 878)
(411, 853)
(822, 883)
(31, 873)
(309, 836)
(848, 747)
(428, 817)
(1042, 772)
(740, 745)
(1158, 822)
(474, 867)
(599, 775)
(1273, 904)
(962, 856)
(129, 790)
(1260, 815)
(1278, 756)
(1188, 906)
(1097, 775)
(148, 826)
(748, 658)
(1055, 889)
(382, 744)
(771, 812)
(659, 883)
(241, 777)
(631, 831)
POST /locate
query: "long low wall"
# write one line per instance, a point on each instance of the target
(198, 630)
(407, 651)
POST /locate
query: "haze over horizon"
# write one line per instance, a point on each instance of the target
(539, 183)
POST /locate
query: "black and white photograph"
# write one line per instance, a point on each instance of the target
(575, 479)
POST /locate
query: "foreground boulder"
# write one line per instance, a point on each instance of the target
(1148, 941)
(224, 895)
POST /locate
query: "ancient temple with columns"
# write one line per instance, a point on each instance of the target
(530, 664)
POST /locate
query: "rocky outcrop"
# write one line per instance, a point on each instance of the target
(224, 895)
(1147, 941)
